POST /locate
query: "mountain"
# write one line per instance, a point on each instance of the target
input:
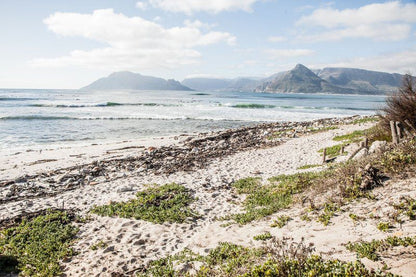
(134, 81)
(361, 80)
(300, 80)
(218, 84)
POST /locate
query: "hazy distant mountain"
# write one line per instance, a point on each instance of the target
(361, 80)
(300, 80)
(218, 84)
(134, 81)
(331, 80)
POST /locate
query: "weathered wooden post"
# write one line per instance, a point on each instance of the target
(342, 150)
(399, 130)
(324, 156)
(366, 142)
(393, 132)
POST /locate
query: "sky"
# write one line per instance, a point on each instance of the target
(68, 44)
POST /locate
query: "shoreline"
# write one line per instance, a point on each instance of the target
(23, 161)
(207, 165)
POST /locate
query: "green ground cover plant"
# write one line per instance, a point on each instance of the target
(278, 258)
(157, 204)
(384, 226)
(407, 206)
(264, 236)
(263, 200)
(327, 213)
(308, 166)
(334, 150)
(37, 246)
(281, 221)
(365, 120)
(371, 249)
(351, 137)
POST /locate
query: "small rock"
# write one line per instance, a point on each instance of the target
(109, 249)
(362, 153)
(125, 189)
(377, 146)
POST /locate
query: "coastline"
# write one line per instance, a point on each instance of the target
(206, 164)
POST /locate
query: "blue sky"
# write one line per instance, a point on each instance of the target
(68, 44)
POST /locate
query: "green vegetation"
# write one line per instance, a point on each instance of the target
(99, 245)
(247, 185)
(328, 212)
(308, 166)
(37, 246)
(226, 259)
(253, 106)
(351, 137)
(278, 259)
(264, 236)
(264, 200)
(398, 159)
(281, 221)
(312, 266)
(365, 120)
(407, 206)
(355, 217)
(305, 217)
(384, 226)
(333, 151)
(370, 249)
(157, 204)
(321, 129)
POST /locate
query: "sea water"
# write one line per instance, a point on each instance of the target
(37, 117)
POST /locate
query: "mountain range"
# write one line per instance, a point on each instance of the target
(134, 81)
(300, 79)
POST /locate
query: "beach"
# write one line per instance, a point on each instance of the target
(79, 178)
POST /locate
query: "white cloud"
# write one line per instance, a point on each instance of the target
(141, 5)
(398, 62)
(131, 42)
(212, 6)
(277, 39)
(288, 53)
(381, 32)
(381, 21)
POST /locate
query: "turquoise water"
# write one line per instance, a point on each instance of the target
(34, 117)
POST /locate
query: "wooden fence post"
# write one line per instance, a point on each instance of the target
(342, 150)
(393, 132)
(399, 130)
(324, 156)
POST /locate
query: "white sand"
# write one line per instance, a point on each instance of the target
(131, 243)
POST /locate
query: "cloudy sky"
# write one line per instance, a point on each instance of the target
(68, 44)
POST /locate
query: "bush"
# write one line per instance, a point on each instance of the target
(401, 106)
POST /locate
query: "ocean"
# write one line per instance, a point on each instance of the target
(30, 118)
